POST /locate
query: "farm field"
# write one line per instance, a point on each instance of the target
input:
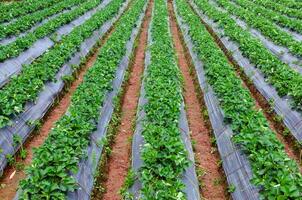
(151, 99)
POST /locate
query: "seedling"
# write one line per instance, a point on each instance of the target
(10, 159)
(23, 153)
(218, 181)
(231, 188)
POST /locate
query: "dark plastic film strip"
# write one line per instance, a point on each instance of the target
(235, 163)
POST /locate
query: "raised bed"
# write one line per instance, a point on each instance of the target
(188, 177)
(102, 107)
(281, 105)
(13, 66)
(34, 111)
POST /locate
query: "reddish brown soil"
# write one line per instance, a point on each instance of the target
(261, 103)
(10, 184)
(288, 146)
(277, 127)
(206, 159)
(9, 191)
(119, 159)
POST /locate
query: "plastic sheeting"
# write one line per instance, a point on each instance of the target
(235, 163)
(296, 35)
(281, 52)
(66, 29)
(11, 39)
(189, 177)
(35, 111)
(13, 66)
(291, 118)
(88, 167)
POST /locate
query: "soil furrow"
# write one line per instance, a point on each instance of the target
(119, 160)
(13, 174)
(212, 179)
(261, 103)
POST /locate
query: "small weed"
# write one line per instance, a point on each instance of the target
(213, 141)
(231, 188)
(10, 159)
(20, 166)
(219, 163)
(218, 181)
(23, 153)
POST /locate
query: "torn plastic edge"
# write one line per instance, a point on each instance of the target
(189, 177)
(13, 66)
(291, 118)
(235, 163)
(36, 111)
(282, 52)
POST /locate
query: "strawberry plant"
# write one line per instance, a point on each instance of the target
(267, 28)
(276, 175)
(283, 21)
(26, 22)
(49, 175)
(290, 3)
(19, 8)
(16, 47)
(291, 12)
(164, 155)
(285, 80)
(31, 80)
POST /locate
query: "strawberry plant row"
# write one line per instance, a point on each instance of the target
(281, 105)
(16, 9)
(279, 51)
(26, 22)
(290, 3)
(24, 123)
(281, 20)
(22, 43)
(235, 164)
(281, 76)
(100, 138)
(164, 162)
(13, 66)
(274, 173)
(49, 175)
(291, 12)
(267, 28)
(33, 77)
(13, 37)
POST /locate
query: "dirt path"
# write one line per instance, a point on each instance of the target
(213, 186)
(261, 103)
(11, 177)
(11, 184)
(119, 160)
